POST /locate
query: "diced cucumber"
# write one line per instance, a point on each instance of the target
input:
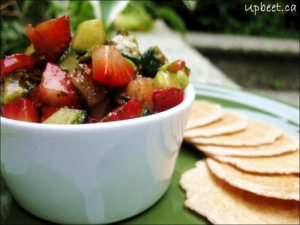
(69, 62)
(12, 89)
(29, 50)
(67, 116)
(89, 33)
(164, 79)
(182, 79)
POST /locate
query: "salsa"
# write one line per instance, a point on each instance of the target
(87, 77)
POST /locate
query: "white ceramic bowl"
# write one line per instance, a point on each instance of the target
(92, 173)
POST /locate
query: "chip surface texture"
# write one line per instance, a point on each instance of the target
(281, 164)
(275, 186)
(257, 133)
(203, 113)
(222, 203)
(228, 123)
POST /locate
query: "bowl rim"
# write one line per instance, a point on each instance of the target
(189, 96)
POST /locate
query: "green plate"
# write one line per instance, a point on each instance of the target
(169, 209)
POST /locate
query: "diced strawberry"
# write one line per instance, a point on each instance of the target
(176, 66)
(111, 68)
(56, 88)
(131, 109)
(21, 109)
(16, 61)
(35, 96)
(47, 111)
(164, 99)
(50, 38)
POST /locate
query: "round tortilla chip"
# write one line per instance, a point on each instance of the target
(202, 113)
(275, 186)
(222, 203)
(256, 133)
(281, 164)
(229, 123)
(284, 144)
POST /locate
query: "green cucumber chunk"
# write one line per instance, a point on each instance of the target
(163, 79)
(69, 62)
(12, 89)
(29, 50)
(67, 116)
(182, 79)
(88, 34)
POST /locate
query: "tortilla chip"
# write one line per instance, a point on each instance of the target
(282, 164)
(276, 186)
(202, 113)
(229, 123)
(284, 144)
(256, 133)
(225, 204)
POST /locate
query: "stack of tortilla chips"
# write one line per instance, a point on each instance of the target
(251, 173)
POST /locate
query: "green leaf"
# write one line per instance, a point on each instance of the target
(190, 4)
(96, 8)
(26, 6)
(79, 11)
(172, 18)
(108, 10)
(60, 7)
(134, 18)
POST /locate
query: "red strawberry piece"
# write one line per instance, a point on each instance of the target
(50, 38)
(21, 109)
(129, 110)
(56, 88)
(167, 98)
(16, 61)
(111, 68)
(176, 66)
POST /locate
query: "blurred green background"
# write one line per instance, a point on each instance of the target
(213, 16)
(230, 17)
